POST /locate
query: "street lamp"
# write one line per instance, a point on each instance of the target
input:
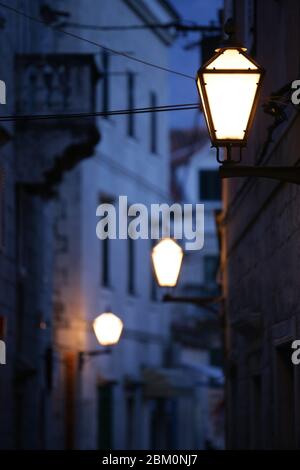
(167, 258)
(108, 329)
(229, 85)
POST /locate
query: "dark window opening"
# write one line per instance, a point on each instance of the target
(153, 124)
(285, 399)
(106, 252)
(105, 262)
(233, 415)
(105, 82)
(252, 18)
(256, 413)
(131, 266)
(130, 104)
(153, 286)
(130, 421)
(211, 263)
(209, 185)
(216, 357)
(2, 209)
(105, 417)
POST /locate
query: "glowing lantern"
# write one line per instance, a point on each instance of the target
(108, 328)
(167, 258)
(228, 85)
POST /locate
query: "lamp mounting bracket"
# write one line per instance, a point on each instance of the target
(282, 174)
(84, 354)
(230, 31)
(204, 302)
(229, 160)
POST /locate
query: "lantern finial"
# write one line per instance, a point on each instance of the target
(229, 28)
(231, 41)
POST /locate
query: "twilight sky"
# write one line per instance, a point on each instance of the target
(183, 90)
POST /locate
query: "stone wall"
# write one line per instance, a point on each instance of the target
(261, 254)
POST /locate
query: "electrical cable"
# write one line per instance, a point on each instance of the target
(112, 51)
(177, 26)
(117, 112)
(118, 28)
(101, 46)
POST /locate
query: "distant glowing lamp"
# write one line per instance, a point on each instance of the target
(167, 258)
(108, 328)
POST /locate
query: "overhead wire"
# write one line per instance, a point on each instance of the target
(112, 51)
(179, 27)
(94, 43)
(117, 112)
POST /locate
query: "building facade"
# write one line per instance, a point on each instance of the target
(34, 158)
(56, 276)
(111, 401)
(260, 245)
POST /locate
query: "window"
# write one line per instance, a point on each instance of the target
(153, 286)
(106, 252)
(285, 399)
(131, 266)
(211, 263)
(2, 327)
(233, 411)
(2, 227)
(256, 412)
(216, 357)
(105, 417)
(105, 262)
(251, 30)
(105, 82)
(209, 185)
(130, 421)
(130, 104)
(153, 124)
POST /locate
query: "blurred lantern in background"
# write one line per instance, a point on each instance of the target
(167, 258)
(108, 328)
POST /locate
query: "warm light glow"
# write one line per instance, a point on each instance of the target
(108, 328)
(231, 59)
(228, 87)
(230, 100)
(167, 258)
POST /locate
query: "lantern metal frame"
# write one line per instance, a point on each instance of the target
(229, 167)
(228, 143)
(82, 355)
(204, 302)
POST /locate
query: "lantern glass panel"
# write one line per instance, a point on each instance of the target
(228, 86)
(230, 98)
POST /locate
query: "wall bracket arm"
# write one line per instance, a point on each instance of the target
(82, 355)
(204, 302)
(283, 174)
